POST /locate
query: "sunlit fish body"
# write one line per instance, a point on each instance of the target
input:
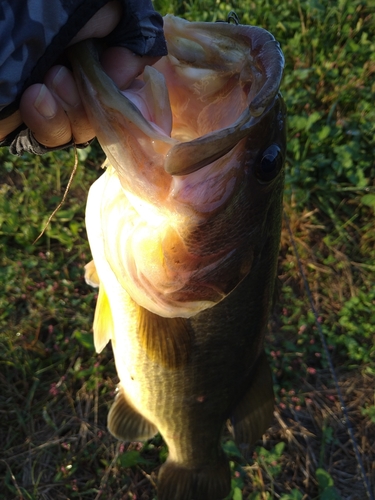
(184, 229)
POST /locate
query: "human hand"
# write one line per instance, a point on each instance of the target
(53, 111)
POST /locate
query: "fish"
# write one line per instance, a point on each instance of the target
(184, 229)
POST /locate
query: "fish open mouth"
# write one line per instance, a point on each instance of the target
(177, 141)
(196, 103)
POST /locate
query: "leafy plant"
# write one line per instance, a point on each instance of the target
(369, 412)
(354, 337)
(326, 486)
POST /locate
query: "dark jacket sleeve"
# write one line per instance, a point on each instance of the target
(140, 29)
(34, 35)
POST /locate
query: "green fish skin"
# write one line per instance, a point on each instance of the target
(184, 228)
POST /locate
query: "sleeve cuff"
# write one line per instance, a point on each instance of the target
(22, 141)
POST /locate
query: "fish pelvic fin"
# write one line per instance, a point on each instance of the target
(103, 321)
(177, 482)
(167, 341)
(254, 413)
(126, 424)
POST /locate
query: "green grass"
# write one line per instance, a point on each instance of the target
(55, 391)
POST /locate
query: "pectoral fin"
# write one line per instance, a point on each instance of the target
(254, 413)
(167, 341)
(125, 423)
(103, 321)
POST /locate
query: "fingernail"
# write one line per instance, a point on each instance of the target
(45, 104)
(63, 84)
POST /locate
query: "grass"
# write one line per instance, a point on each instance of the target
(55, 391)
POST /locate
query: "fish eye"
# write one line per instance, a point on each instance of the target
(270, 164)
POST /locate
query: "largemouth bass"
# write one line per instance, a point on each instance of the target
(184, 229)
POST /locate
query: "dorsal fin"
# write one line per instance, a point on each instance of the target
(166, 340)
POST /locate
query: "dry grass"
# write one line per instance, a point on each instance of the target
(316, 436)
(54, 443)
(66, 452)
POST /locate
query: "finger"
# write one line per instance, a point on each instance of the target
(44, 116)
(122, 65)
(9, 124)
(61, 83)
(101, 23)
